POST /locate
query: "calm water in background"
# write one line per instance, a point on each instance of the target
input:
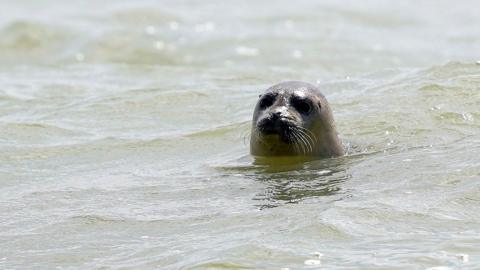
(124, 135)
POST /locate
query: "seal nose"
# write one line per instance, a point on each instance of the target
(276, 115)
(273, 123)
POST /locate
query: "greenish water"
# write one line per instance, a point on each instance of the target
(124, 135)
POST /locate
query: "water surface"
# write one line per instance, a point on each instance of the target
(124, 135)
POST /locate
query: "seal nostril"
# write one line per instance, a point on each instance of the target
(275, 116)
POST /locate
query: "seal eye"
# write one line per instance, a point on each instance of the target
(267, 101)
(301, 105)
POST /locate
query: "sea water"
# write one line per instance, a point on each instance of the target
(124, 135)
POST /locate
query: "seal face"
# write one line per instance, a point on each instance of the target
(294, 119)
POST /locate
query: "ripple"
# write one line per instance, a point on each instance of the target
(218, 266)
(29, 134)
(29, 41)
(143, 16)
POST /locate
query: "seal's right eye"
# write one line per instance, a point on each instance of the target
(266, 101)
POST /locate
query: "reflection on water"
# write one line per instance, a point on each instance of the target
(289, 180)
(293, 182)
(284, 189)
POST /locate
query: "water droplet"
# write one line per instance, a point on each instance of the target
(297, 54)
(467, 117)
(246, 51)
(463, 257)
(312, 262)
(159, 45)
(289, 24)
(80, 57)
(150, 30)
(322, 172)
(205, 27)
(377, 47)
(182, 40)
(173, 25)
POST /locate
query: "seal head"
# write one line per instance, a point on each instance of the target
(294, 119)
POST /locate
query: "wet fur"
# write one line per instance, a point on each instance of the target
(311, 134)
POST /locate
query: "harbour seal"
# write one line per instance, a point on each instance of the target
(293, 118)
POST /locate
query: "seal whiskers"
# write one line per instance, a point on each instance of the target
(294, 140)
(246, 135)
(298, 141)
(305, 141)
(312, 135)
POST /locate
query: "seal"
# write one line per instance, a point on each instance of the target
(293, 118)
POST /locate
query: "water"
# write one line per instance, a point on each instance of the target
(124, 135)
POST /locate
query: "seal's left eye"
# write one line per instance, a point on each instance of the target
(301, 105)
(267, 101)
